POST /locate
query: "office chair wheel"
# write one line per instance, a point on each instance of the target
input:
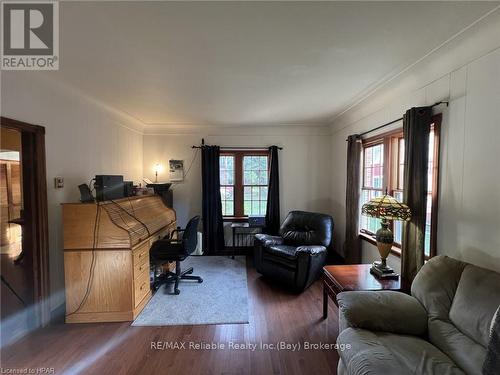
(177, 291)
(200, 280)
(189, 272)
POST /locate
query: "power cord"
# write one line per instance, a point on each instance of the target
(7, 284)
(131, 215)
(92, 262)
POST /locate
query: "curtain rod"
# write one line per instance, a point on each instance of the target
(235, 147)
(394, 121)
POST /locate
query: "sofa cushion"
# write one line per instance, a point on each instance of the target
(281, 254)
(476, 300)
(436, 283)
(465, 352)
(391, 354)
(268, 240)
(386, 311)
(285, 251)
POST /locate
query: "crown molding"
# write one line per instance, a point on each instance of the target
(241, 130)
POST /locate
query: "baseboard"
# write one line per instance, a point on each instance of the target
(57, 315)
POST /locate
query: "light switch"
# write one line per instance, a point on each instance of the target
(58, 182)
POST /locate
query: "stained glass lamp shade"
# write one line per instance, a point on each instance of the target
(386, 208)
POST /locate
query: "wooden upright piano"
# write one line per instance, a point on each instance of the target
(106, 256)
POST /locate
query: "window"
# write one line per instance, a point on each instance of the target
(226, 166)
(244, 182)
(383, 167)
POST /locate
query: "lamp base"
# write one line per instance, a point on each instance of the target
(382, 271)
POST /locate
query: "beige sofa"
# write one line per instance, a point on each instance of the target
(442, 328)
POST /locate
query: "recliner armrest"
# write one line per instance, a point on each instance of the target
(385, 311)
(268, 240)
(311, 250)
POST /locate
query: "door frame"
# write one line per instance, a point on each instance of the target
(35, 210)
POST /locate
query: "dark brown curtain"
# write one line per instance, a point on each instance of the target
(416, 129)
(273, 194)
(351, 250)
(213, 226)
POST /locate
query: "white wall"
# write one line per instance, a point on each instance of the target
(83, 138)
(304, 163)
(467, 72)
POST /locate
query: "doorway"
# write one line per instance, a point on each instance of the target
(24, 230)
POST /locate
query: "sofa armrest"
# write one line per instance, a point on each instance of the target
(268, 240)
(311, 250)
(386, 311)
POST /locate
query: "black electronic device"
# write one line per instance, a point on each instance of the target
(85, 194)
(108, 187)
(128, 188)
(256, 221)
(163, 190)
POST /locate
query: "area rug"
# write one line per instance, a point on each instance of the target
(222, 297)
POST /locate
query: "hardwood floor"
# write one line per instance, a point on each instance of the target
(118, 348)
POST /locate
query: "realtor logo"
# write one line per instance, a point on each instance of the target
(30, 35)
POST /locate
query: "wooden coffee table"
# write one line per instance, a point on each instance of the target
(342, 278)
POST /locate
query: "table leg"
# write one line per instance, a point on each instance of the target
(325, 302)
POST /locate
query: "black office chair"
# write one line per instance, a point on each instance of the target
(170, 250)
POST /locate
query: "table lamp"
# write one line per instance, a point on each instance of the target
(157, 168)
(386, 208)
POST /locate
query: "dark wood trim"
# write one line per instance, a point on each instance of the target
(21, 126)
(35, 210)
(238, 184)
(370, 141)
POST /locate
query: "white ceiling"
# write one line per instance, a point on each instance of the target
(246, 63)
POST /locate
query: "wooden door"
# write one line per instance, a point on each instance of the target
(23, 235)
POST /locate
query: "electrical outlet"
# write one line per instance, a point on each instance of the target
(58, 182)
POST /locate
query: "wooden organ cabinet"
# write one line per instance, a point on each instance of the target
(106, 256)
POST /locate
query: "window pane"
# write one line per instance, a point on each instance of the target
(226, 164)
(377, 155)
(401, 151)
(368, 177)
(373, 167)
(377, 177)
(227, 199)
(263, 205)
(398, 225)
(428, 226)
(368, 156)
(247, 193)
(255, 180)
(246, 163)
(263, 163)
(229, 193)
(369, 223)
(263, 193)
(255, 193)
(230, 208)
(255, 208)
(262, 177)
(223, 177)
